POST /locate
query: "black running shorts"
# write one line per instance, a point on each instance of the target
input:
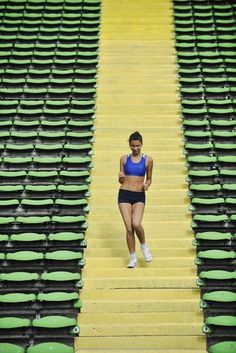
(132, 197)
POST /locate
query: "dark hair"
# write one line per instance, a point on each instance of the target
(136, 136)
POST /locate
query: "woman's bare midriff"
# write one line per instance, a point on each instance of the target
(133, 183)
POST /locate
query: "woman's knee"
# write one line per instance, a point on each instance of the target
(136, 225)
(130, 230)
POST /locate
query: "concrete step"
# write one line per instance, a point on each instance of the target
(143, 342)
(118, 262)
(140, 272)
(133, 283)
(150, 210)
(156, 350)
(160, 243)
(127, 330)
(154, 229)
(148, 217)
(106, 90)
(170, 251)
(154, 307)
(157, 156)
(141, 318)
(139, 121)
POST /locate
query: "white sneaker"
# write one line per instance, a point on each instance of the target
(147, 255)
(132, 263)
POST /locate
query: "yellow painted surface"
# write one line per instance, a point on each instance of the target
(155, 307)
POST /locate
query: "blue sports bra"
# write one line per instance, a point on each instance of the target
(135, 169)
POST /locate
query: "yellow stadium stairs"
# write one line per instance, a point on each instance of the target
(155, 307)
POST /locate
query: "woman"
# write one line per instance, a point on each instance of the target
(131, 199)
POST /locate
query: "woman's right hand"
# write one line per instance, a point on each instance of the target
(121, 177)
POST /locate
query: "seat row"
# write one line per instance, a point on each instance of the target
(49, 52)
(44, 206)
(24, 177)
(205, 44)
(24, 137)
(211, 162)
(59, 111)
(50, 7)
(49, 188)
(47, 92)
(44, 104)
(67, 37)
(11, 150)
(53, 2)
(208, 92)
(30, 237)
(83, 123)
(46, 347)
(5, 72)
(40, 162)
(56, 17)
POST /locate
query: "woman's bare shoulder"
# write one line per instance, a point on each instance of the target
(123, 158)
(149, 158)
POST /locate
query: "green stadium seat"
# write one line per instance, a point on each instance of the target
(11, 348)
(9, 203)
(50, 347)
(27, 237)
(4, 237)
(195, 148)
(204, 190)
(206, 221)
(78, 160)
(25, 256)
(214, 255)
(11, 175)
(21, 123)
(13, 322)
(216, 276)
(17, 298)
(223, 347)
(201, 161)
(72, 188)
(7, 220)
(48, 148)
(47, 160)
(40, 188)
(213, 236)
(69, 202)
(42, 175)
(19, 148)
(57, 296)
(32, 219)
(60, 276)
(54, 321)
(51, 135)
(220, 320)
(206, 205)
(219, 296)
(67, 174)
(19, 276)
(63, 255)
(52, 123)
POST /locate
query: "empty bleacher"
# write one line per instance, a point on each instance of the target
(48, 66)
(205, 44)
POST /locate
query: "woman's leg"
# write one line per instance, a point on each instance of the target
(138, 210)
(126, 212)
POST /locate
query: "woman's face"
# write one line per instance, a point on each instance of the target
(135, 146)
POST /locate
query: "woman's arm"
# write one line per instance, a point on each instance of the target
(121, 174)
(148, 180)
